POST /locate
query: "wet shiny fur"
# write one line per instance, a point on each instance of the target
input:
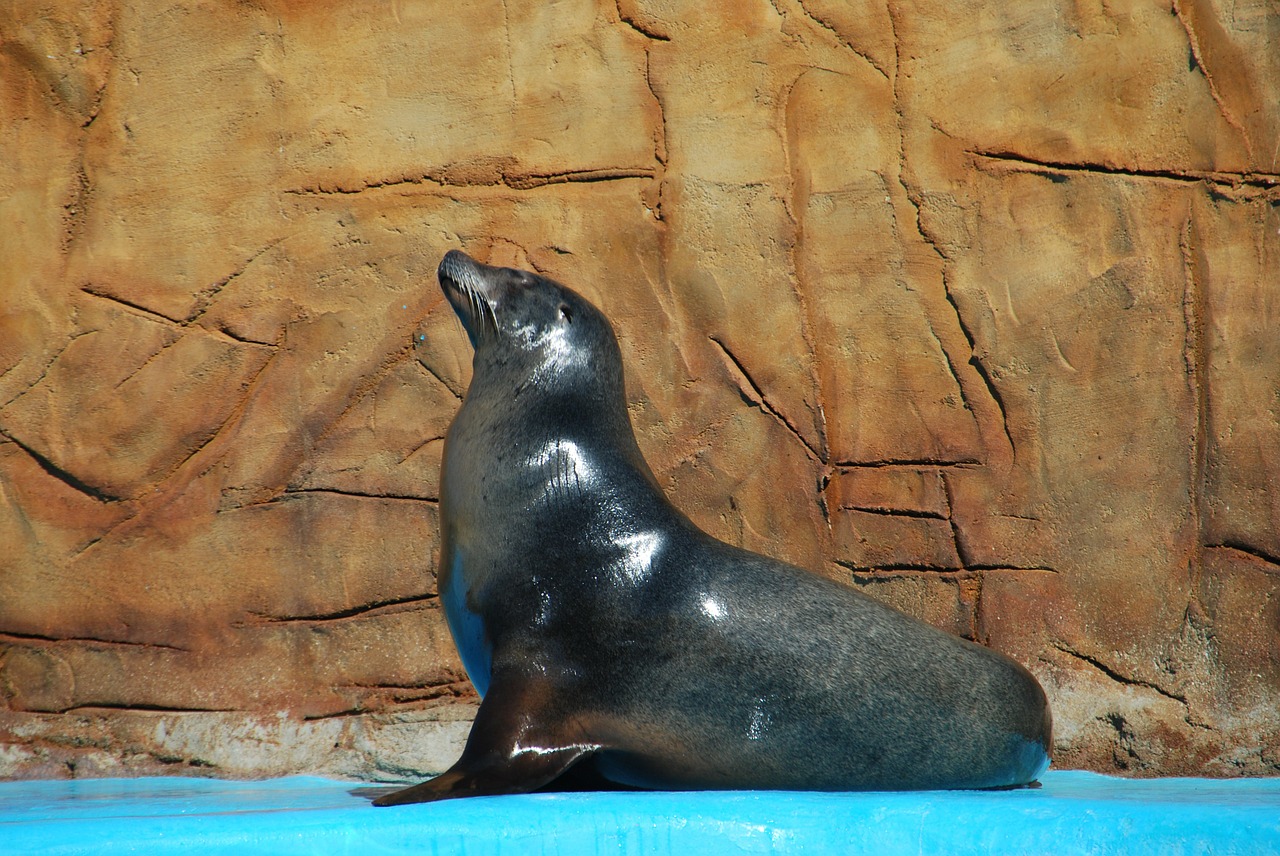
(601, 626)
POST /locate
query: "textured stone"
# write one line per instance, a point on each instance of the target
(386, 747)
(969, 304)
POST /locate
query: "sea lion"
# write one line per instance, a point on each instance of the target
(602, 627)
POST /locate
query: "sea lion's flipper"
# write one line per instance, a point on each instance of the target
(516, 745)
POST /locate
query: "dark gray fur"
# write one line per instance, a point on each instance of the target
(603, 627)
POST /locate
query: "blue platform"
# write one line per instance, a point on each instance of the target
(1072, 813)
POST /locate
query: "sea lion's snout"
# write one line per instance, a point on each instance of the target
(459, 270)
(468, 290)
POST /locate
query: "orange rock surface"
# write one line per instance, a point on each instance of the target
(975, 306)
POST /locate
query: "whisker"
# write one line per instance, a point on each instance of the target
(493, 315)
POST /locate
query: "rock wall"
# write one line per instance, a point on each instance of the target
(973, 305)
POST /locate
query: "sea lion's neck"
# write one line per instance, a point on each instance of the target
(573, 449)
(521, 399)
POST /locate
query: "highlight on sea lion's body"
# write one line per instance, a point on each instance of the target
(601, 627)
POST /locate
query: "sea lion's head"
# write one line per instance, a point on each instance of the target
(527, 328)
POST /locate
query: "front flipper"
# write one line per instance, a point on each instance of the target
(517, 744)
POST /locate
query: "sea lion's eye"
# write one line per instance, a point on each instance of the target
(566, 313)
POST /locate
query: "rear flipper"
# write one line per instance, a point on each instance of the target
(516, 745)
